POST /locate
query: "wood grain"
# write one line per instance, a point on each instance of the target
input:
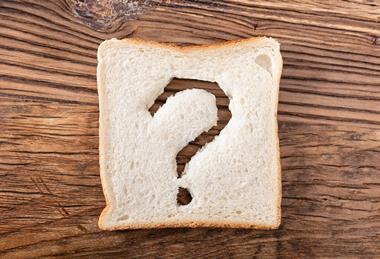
(329, 126)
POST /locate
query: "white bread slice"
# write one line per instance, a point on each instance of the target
(235, 181)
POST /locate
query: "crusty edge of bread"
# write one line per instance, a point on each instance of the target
(191, 224)
(149, 43)
(106, 189)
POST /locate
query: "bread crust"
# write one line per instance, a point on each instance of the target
(186, 224)
(218, 45)
(192, 224)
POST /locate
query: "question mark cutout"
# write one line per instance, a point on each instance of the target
(224, 115)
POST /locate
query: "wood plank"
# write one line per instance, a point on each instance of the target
(329, 120)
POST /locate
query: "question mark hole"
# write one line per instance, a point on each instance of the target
(183, 196)
(224, 115)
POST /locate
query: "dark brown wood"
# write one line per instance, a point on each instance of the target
(329, 125)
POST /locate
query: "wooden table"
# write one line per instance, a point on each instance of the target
(329, 125)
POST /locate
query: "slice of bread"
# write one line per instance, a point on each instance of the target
(234, 181)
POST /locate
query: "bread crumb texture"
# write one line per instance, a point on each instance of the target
(234, 181)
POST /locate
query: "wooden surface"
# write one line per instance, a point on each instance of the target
(329, 125)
